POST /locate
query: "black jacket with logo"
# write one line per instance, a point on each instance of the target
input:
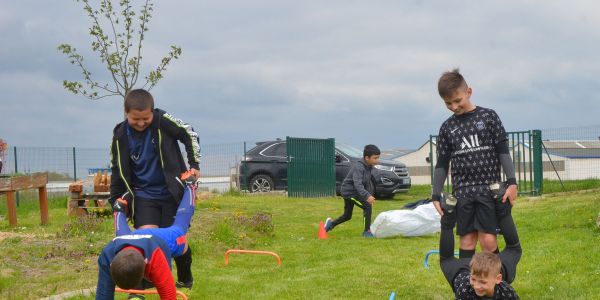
(166, 131)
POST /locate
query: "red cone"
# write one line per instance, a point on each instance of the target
(322, 231)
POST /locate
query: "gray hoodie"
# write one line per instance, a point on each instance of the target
(359, 182)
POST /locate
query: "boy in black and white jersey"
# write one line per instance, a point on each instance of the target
(473, 139)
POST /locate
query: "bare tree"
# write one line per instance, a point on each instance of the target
(120, 51)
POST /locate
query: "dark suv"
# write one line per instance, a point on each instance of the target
(265, 169)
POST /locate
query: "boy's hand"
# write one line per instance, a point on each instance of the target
(511, 195)
(196, 172)
(189, 177)
(438, 207)
(371, 200)
(122, 203)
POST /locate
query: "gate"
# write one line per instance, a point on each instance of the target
(525, 148)
(311, 167)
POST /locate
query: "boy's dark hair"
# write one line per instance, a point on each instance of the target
(371, 150)
(485, 263)
(139, 99)
(450, 82)
(127, 268)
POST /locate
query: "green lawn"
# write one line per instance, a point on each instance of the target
(561, 251)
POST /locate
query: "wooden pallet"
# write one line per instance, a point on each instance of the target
(82, 202)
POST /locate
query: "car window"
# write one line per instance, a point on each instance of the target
(349, 150)
(277, 150)
(342, 156)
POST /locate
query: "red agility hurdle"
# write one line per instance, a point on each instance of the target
(251, 252)
(146, 292)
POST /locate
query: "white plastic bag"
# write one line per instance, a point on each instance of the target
(422, 220)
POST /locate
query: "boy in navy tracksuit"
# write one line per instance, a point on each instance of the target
(146, 162)
(144, 253)
(358, 189)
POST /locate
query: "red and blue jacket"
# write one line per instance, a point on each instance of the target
(158, 264)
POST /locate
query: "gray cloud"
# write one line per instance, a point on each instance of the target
(362, 72)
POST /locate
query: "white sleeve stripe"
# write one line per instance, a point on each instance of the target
(193, 135)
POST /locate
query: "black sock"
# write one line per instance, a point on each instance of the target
(184, 266)
(463, 253)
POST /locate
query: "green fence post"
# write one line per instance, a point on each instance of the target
(15, 154)
(16, 170)
(538, 168)
(431, 157)
(74, 165)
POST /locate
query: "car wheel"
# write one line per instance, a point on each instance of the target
(261, 184)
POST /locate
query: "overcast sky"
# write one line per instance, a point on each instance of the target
(359, 71)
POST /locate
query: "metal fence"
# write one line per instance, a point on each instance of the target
(569, 153)
(525, 149)
(66, 164)
(71, 163)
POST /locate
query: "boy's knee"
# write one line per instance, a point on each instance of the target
(468, 241)
(489, 244)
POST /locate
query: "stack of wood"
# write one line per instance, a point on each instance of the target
(101, 182)
(92, 193)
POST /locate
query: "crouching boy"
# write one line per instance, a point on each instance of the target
(144, 253)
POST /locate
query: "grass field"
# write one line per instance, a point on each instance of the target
(561, 251)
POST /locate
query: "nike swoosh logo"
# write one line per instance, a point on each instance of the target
(453, 130)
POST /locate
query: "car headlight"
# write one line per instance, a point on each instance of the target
(386, 181)
(385, 168)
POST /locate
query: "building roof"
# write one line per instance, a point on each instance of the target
(394, 153)
(562, 148)
(572, 149)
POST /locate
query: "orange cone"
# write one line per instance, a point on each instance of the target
(322, 231)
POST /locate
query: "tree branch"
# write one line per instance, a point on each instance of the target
(144, 18)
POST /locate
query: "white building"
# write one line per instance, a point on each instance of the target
(571, 160)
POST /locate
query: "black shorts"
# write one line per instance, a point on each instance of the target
(159, 212)
(476, 212)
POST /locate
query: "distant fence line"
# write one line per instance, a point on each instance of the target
(75, 163)
(570, 153)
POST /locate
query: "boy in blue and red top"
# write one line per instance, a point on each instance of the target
(474, 141)
(144, 253)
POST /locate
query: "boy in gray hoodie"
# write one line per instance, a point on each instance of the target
(358, 189)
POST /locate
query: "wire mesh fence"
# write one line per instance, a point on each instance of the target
(571, 153)
(66, 164)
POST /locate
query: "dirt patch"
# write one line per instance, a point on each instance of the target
(7, 234)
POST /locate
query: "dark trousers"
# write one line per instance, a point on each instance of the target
(349, 206)
(510, 256)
